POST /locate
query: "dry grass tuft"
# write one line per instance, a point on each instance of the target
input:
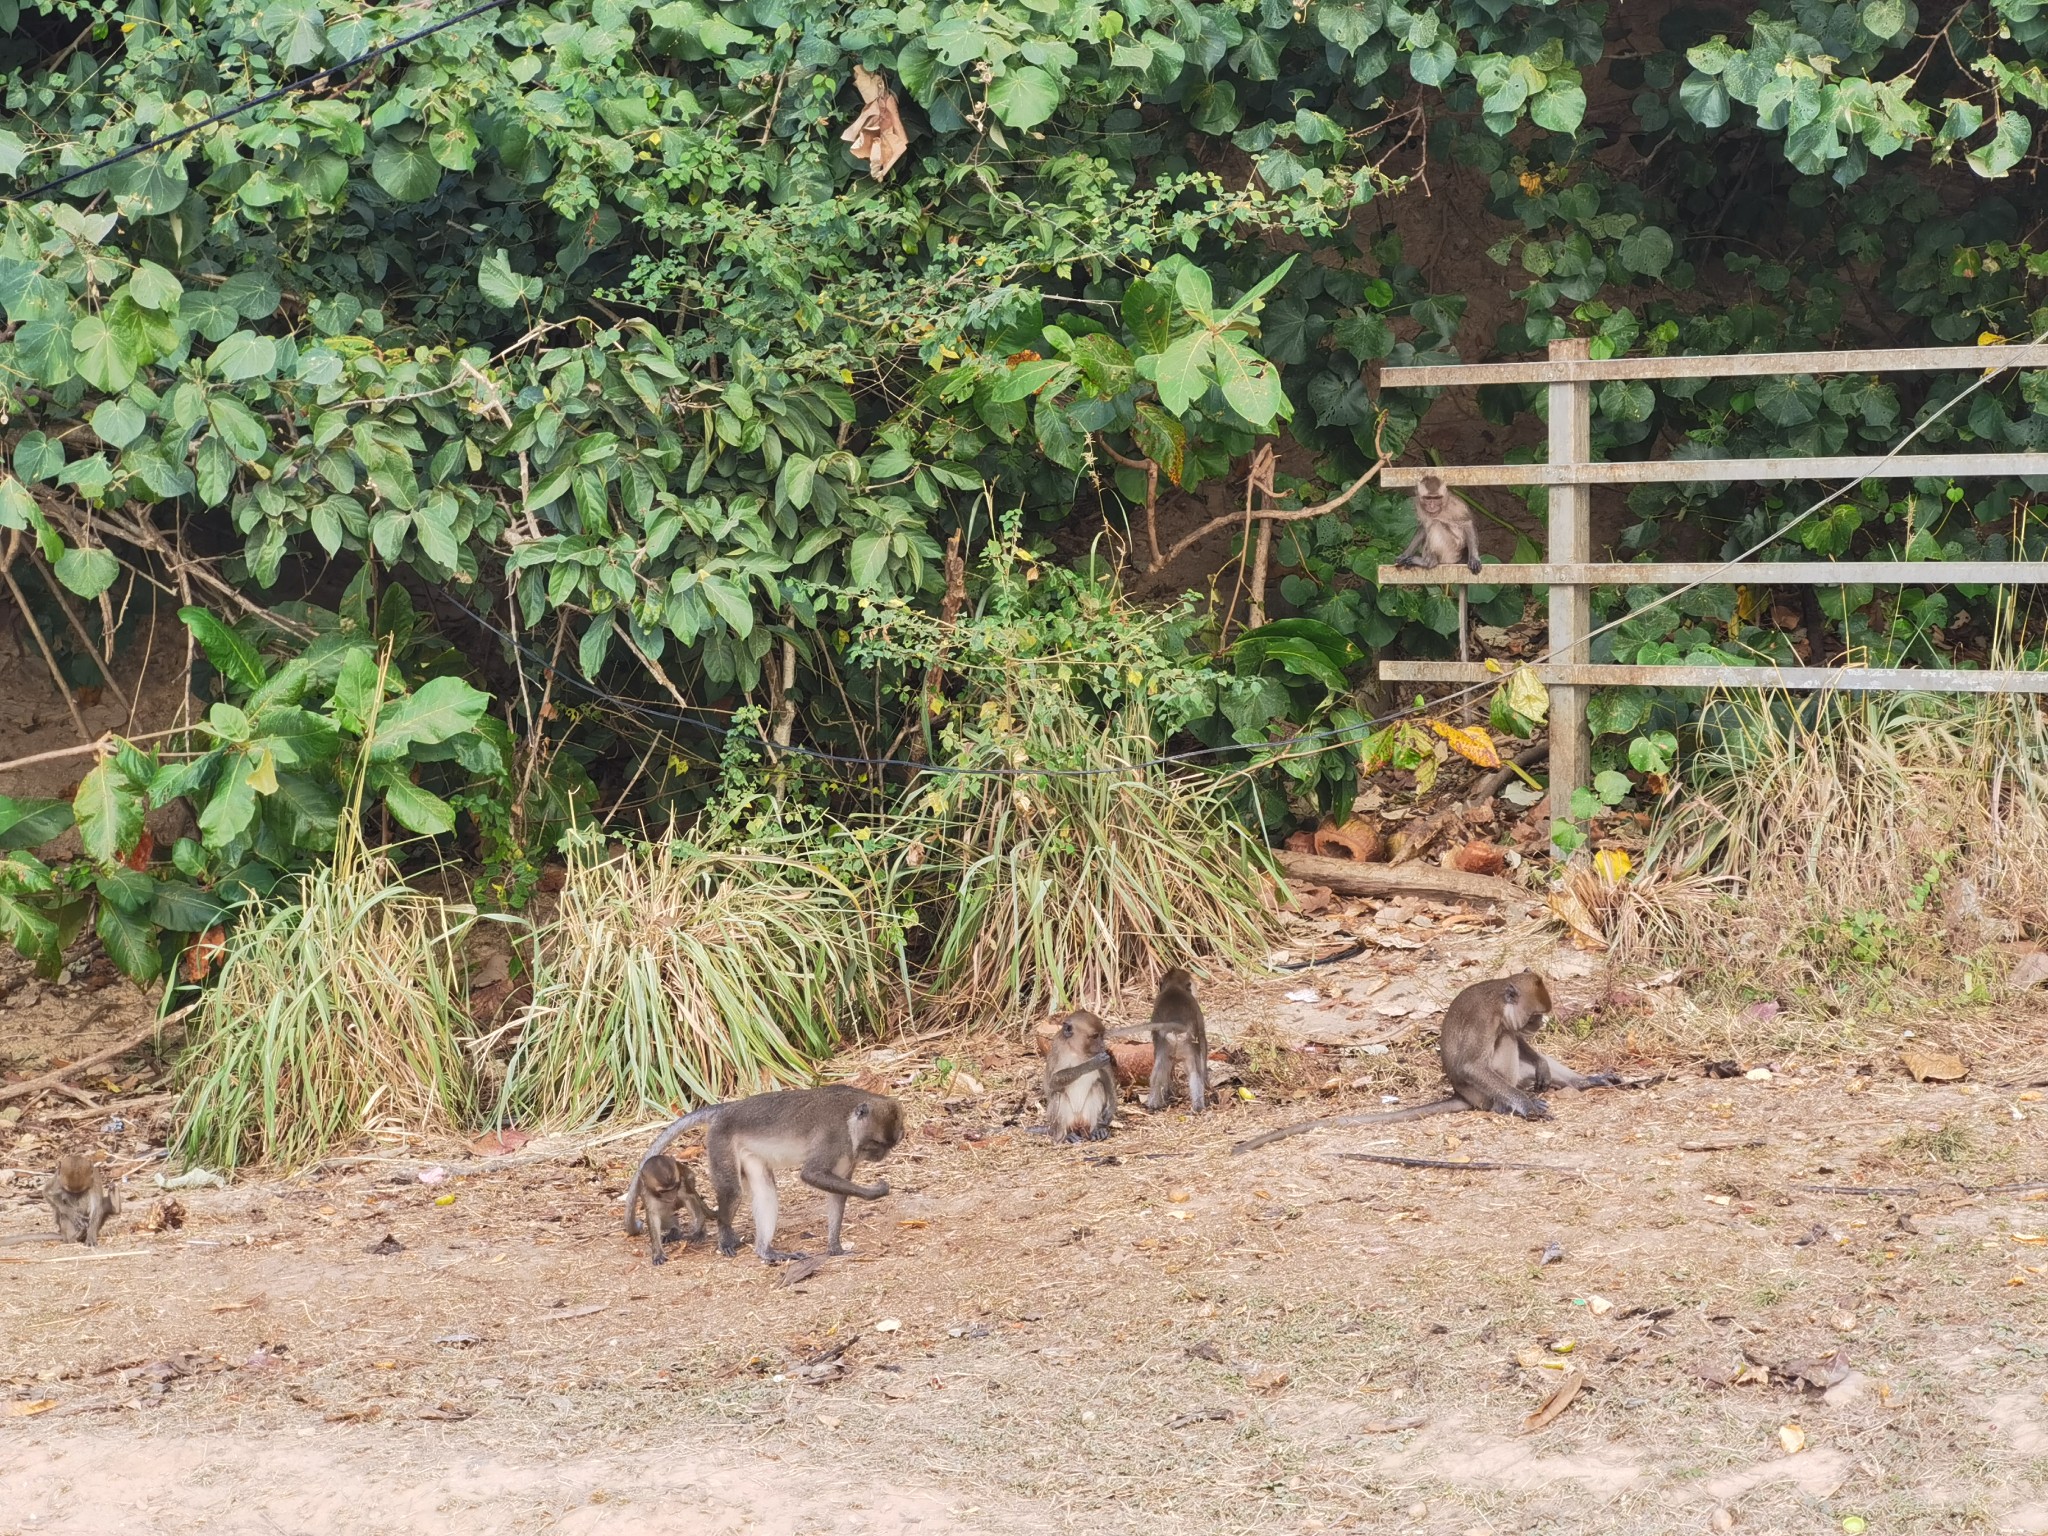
(675, 975)
(1852, 850)
(334, 1016)
(1057, 889)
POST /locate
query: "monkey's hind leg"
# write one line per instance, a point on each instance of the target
(725, 1184)
(1164, 1047)
(767, 1210)
(700, 1214)
(1198, 1075)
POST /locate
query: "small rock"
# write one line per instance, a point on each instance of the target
(1721, 1520)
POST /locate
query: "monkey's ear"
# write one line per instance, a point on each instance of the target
(860, 1112)
(1511, 994)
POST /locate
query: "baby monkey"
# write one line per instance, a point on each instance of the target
(1487, 1055)
(79, 1199)
(822, 1133)
(1178, 1035)
(659, 1187)
(1080, 1080)
(1446, 533)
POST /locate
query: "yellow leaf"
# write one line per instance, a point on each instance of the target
(31, 1409)
(1792, 1437)
(1613, 864)
(263, 777)
(1527, 697)
(1470, 742)
(1990, 339)
(1491, 665)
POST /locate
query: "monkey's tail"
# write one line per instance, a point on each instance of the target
(676, 1128)
(1342, 954)
(1379, 1117)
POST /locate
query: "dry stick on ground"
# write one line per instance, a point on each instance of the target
(56, 1078)
(1449, 1166)
(1347, 877)
(1485, 789)
(1150, 470)
(43, 645)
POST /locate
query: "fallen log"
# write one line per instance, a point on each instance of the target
(1347, 878)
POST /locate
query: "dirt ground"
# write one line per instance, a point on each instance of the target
(1148, 1333)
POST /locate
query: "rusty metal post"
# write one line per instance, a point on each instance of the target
(1571, 543)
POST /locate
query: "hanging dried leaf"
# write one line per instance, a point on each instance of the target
(877, 135)
(1556, 1403)
(1470, 742)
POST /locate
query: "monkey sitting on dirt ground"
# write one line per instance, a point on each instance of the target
(1080, 1080)
(79, 1199)
(823, 1133)
(1487, 1055)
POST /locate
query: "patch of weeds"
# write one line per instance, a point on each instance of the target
(1950, 1145)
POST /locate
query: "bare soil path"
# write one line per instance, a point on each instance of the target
(1041, 1338)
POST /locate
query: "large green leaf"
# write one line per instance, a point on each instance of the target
(409, 172)
(418, 810)
(232, 656)
(442, 707)
(31, 823)
(101, 358)
(1023, 98)
(110, 806)
(87, 571)
(130, 942)
(1182, 372)
(232, 806)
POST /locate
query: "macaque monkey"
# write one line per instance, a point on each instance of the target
(1445, 533)
(79, 1200)
(659, 1186)
(1080, 1080)
(1178, 1034)
(1445, 530)
(1488, 1057)
(823, 1133)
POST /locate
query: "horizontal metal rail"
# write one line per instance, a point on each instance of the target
(1743, 573)
(1741, 365)
(1907, 466)
(1686, 675)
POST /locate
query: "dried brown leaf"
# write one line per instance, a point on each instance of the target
(1934, 1066)
(1556, 1403)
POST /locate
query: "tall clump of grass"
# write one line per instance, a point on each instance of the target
(1053, 887)
(336, 1014)
(1894, 836)
(672, 975)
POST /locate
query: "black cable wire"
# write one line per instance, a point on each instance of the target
(716, 728)
(406, 41)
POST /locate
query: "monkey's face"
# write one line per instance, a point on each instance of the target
(881, 1128)
(1529, 997)
(1083, 1033)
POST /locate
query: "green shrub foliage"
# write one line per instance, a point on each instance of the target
(587, 316)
